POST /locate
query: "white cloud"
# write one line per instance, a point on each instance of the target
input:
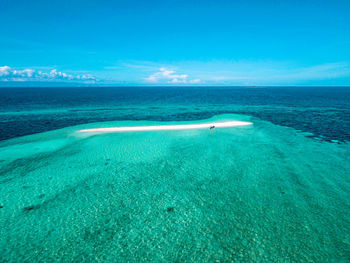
(4, 71)
(25, 73)
(9, 74)
(165, 75)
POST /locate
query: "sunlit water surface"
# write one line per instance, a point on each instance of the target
(260, 193)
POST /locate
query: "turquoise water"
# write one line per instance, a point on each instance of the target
(261, 193)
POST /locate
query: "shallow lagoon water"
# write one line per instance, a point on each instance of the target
(263, 193)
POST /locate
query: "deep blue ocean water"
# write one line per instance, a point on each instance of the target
(324, 112)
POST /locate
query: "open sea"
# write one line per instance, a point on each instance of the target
(275, 191)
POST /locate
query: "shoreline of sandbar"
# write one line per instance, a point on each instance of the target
(168, 127)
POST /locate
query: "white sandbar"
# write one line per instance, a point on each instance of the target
(169, 127)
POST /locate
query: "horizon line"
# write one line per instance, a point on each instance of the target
(175, 86)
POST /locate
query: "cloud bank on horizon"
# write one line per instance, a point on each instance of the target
(10, 74)
(242, 73)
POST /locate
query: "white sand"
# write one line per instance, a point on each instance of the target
(169, 127)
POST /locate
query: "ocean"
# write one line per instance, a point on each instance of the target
(275, 191)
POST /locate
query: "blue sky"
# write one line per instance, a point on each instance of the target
(173, 42)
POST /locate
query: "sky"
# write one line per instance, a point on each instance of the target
(175, 42)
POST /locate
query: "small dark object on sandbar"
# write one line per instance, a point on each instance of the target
(212, 127)
(170, 209)
(28, 208)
